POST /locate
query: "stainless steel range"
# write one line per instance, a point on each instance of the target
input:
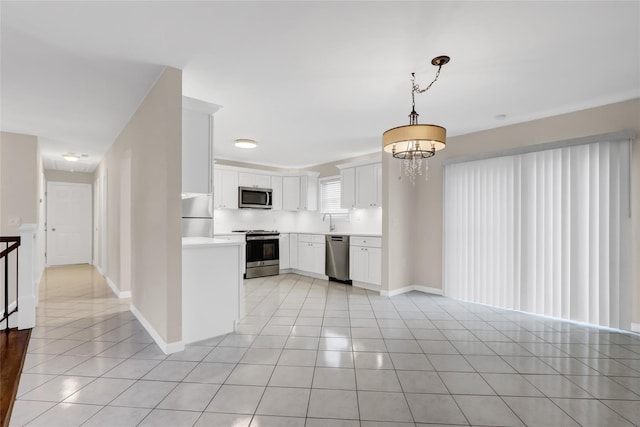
(262, 253)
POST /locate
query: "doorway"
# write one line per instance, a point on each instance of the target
(68, 223)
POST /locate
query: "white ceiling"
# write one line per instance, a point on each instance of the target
(312, 82)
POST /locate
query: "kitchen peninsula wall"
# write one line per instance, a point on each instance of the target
(364, 221)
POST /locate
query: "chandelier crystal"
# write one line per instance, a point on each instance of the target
(415, 142)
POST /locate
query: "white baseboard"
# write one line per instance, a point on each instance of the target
(420, 288)
(116, 291)
(635, 327)
(367, 286)
(99, 269)
(113, 286)
(167, 348)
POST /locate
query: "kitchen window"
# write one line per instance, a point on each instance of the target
(330, 196)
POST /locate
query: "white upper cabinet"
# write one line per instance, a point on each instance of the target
(348, 188)
(225, 189)
(254, 180)
(361, 186)
(197, 145)
(367, 192)
(290, 193)
(276, 186)
(377, 167)
(300, 193)
(309, 192)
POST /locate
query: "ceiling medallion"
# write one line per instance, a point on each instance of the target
(414, 142)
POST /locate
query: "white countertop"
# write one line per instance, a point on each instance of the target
(333, 233)
(193, 242)
(237, 233)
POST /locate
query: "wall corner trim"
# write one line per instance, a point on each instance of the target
(635, 327)
(167, 348)
(419, 288)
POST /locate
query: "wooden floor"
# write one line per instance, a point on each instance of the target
(13, 348)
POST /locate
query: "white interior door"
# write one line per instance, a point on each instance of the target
(68, 223)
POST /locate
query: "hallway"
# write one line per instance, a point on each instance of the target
(313, 353)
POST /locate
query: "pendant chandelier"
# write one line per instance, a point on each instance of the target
(414, 142)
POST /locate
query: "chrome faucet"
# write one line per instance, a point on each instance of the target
(331, 224)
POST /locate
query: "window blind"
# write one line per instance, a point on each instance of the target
(330, 191)
(546, 232)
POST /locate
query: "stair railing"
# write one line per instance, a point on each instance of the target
(11, 244)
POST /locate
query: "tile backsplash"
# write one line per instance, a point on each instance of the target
(366, 221)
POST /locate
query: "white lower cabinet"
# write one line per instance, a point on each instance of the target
(311, 253)
(283, 247)
(365, 260)
(293, 251)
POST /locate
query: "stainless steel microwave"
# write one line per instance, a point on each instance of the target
(255, 198)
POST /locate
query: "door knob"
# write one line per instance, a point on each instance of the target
(53, 229)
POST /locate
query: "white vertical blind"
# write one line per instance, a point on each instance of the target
(546, 232)
(330, 191)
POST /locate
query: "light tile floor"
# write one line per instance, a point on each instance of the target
(312, 353)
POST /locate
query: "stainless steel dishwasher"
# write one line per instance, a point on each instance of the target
(337, 258)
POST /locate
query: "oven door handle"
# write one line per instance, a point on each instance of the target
(274, 238)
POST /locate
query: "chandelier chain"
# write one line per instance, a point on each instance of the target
(415, 88)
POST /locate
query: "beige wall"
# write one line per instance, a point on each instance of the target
(18, 181)
(398, 211)
(41, 206)
(426, 243)
(19, 156)
(153, 140)
(331, 169)
(64, 176)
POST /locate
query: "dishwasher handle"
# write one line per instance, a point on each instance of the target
(332, 238)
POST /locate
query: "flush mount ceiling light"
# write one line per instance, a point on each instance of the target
(71, 157)
(414, 142)
(245, 143)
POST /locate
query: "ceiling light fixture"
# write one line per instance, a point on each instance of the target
(414, 142)
(70, 157)
(245, 143)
